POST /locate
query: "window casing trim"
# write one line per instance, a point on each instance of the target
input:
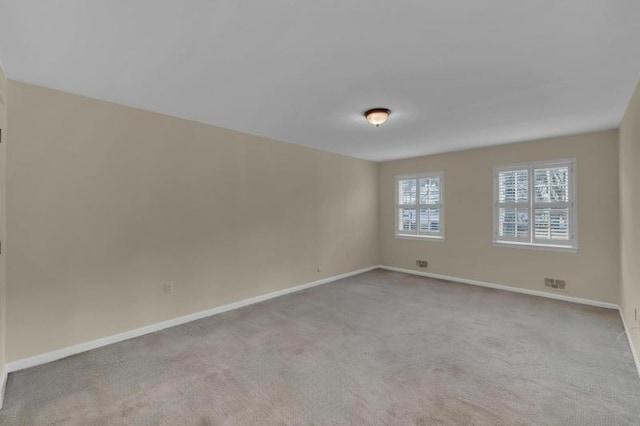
(570, 245)
(431, 236)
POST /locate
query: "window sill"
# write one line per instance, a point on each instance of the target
(420, 237)
(564, 249)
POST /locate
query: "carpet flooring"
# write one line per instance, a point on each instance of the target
(374, 349)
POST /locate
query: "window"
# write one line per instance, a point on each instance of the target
(419, 206)
(535, 205)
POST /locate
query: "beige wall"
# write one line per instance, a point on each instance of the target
(630, 216)
(4, 100)
(467, 251)
(108, 203)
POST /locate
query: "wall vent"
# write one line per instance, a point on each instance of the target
(555, 284)
(421, 263)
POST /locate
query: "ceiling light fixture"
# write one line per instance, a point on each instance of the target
(377, 116)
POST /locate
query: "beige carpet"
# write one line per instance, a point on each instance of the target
(377, 348)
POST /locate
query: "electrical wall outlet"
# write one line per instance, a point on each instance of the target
(421, 263)
(168, 288)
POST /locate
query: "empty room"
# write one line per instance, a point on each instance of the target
(319, 213)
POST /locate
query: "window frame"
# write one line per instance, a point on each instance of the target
(431, 236)
(531, 242)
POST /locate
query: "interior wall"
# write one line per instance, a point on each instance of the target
(468, 251)
(4, 99)
(630, 217)
(109, 203)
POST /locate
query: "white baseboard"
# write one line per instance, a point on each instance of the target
(3, 384)
(633, 349)
(530, 292)
(87, 346)
(506, 287)
(44, 358)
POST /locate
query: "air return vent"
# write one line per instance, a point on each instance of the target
(555, 284)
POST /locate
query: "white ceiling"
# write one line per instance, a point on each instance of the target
(457, 74)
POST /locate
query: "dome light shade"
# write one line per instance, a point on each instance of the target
(377, 116)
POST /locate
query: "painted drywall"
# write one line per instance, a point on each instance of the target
(4, 102)
(467, 251)
(630, 217)
(108, 203)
